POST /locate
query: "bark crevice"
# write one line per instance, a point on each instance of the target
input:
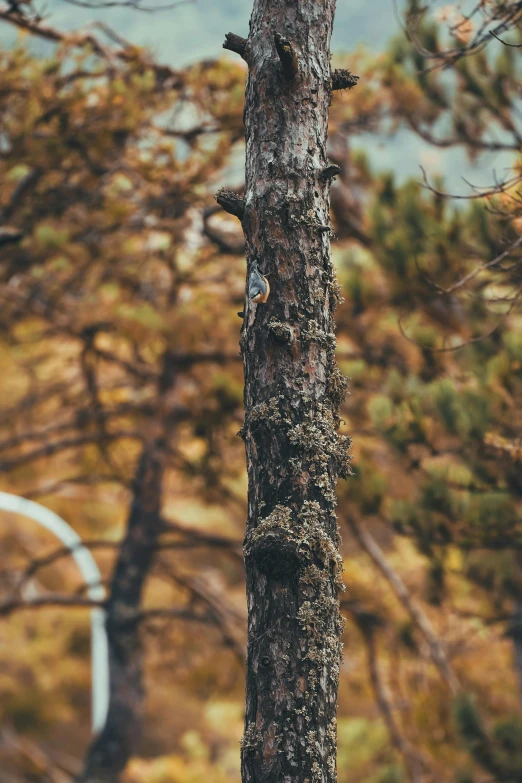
(287, 56)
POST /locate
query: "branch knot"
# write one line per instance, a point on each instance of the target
(343, 79)
(231, 202)
(235, 43)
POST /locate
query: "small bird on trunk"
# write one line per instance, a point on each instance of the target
(258, 286)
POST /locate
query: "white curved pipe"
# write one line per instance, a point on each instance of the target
(91, 574)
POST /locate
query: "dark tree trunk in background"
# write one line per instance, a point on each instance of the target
(516, 635)
(116, 743)
(293, 390)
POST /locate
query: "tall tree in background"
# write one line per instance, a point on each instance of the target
(293, 390)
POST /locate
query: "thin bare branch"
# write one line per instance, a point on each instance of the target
(499, 20)
(65, 444)
(435, 647)
(495, 262)
(464, 343)
(136, 5)
(223, 613)
(481, 193)
(414, 762)
(46, 601)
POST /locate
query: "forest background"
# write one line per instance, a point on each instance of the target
(120, 282)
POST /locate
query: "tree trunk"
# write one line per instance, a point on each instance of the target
(516, 635)
(293, 389)
(116, 743)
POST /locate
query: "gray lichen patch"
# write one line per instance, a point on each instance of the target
(272, 544)
(310, 219)
(305, 532)
(319, 452)
(317, 291)
(251, 739)
(313, 749)
(315, 617)
(334, 289)
(279, 519)
(268, 411)
(317, 437)
(320, 566)
(311, 575)
(337, 386)
(312, 333)
(331, 746)
(281, 332)
(320, 622)
(323, 483)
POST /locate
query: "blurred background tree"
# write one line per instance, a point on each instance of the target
(120, 279)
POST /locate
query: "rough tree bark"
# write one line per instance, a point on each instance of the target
(116, 743)
(293, 390)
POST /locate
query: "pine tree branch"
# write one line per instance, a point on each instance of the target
(414, 762)
(81, 39)
(78, 601)
(435, 647)
(63, 445)
(221, 612)
(45, 601)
